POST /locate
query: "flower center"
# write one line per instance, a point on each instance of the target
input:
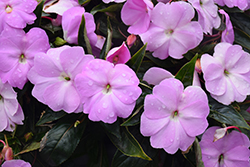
(115, 59)
(22, 59)
(220, 160)
(8, 9)
(107, 89)
(226, 72)
(169, 32)
(174, 115)
(1, 97)
(65, 77)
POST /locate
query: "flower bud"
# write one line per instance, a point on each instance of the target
(131, 40)
(7, 153)
(198, 66)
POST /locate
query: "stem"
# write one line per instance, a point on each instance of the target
(6, 141)
(3, 142)
(145, 85)
(233, 127)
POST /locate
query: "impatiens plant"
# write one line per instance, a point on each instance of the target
(17, 13)
(227, 73)
(229, 151)
(53, 75)
(124, 83)
(17, 53)
(110, 93)
(178, 115)
(171, 31)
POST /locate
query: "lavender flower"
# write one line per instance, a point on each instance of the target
(227, 73)
(229, 151)
(136, 13)
(177, 115)
(53, 74)
(16, 163)
(228, 34)
(11, 112)
(116, 1)
(17, 13)
(17, 53)
(107, 91)
(171, 31)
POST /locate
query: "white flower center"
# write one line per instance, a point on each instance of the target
(8, 9)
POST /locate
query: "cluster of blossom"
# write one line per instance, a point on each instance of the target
(65, 78)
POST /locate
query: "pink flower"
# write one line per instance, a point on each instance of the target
(59, 6)
(229, 151)
(136, 13)
(107, 91)
(228, 34)
(241, 4)
(173, 116)
(53, 74)
(119, 55)
(172, 33)
(17, 13)
(117, 1)
(11, 112)
(71, 21)
(17, 53)
(207, 14)
(227, 73)
(16, 163)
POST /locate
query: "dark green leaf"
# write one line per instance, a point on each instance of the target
(242, 38)
(102, 8)
(226, 114)
(121, 160)
(108, 42)
(83, 39)
(124, 140)
(185, 74)
(198, 156)
(136, 60)
(33, 146)
(60, 142)
(83, 2)
(50, 116)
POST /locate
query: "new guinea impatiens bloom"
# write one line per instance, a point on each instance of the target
(228, 34)
(155, 75)
(17, 13)
(136, 14)
(71, 20)
(108, 91)
(227, 73)
(173, 116)
(207, 14)
(230, 151)
(119, 55)
(16, 163)
(171, 31)
(53, 75)
(241, 4)
(11, 112)
(17, 51)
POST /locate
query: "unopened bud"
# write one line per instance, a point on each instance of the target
(198, 66)
(28, 136)
(219, 133)
(131, 40)
(7, 153)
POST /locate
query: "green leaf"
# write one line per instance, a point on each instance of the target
(121, 160)
(198, 156)
(185, 74)
(226, 114)
(50, 116)
(102, 8)
(60, 142)
(83, 2)
(108, 42)
(242, 38)
(83, 39)
(136, 60)
(124, 140)
(33, 146)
